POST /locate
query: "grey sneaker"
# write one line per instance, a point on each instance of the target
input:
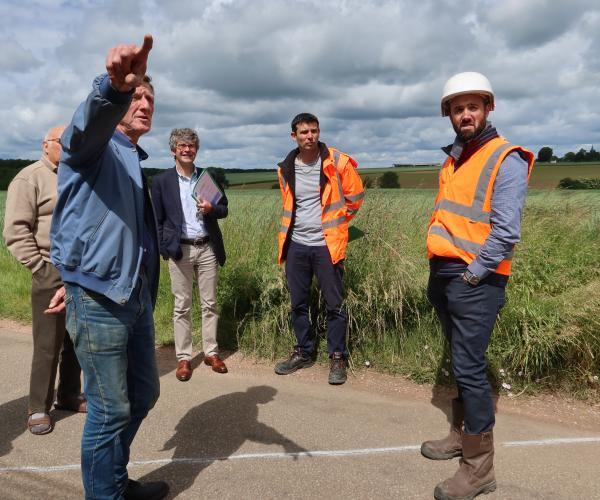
(296, 361)
(337, 372)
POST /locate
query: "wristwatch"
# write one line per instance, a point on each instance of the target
(470, 278)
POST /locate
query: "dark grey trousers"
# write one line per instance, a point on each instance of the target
(50, 344)
(468, 314)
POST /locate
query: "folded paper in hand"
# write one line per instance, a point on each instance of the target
(207, 189)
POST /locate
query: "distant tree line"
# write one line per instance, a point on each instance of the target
(546, 154)
(10, 168)
(402, 165)
(218, 173)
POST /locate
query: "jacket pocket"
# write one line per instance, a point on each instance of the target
(98, 225)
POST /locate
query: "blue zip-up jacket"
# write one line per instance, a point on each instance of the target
(98, 228)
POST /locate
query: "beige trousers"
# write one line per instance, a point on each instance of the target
(197, 262)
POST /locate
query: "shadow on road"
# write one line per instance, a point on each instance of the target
(13, 416)
(444, 388)
(13, 422)
(213, 431)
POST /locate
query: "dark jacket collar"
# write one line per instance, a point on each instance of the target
(287, 165)
(462, 151)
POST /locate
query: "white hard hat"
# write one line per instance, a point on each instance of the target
(469, 82)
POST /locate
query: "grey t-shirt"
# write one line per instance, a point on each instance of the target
(308, 227)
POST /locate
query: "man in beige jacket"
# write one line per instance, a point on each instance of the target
(30, 202)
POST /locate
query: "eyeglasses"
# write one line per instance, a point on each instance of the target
(54, 140)
(186, 146)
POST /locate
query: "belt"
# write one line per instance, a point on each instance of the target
(196, 241)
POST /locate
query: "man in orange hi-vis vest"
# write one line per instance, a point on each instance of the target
(475, 224)
(321, 193)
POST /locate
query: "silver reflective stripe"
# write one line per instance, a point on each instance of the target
(333, 206)
(287, 213)
(463, 210)
(484, 178)
(355, 197)
(351, 211)
(284, 184)
(336, 158)
(283, 229)
(466, 245)
(475, 211)
(334, 222)
(340, 187)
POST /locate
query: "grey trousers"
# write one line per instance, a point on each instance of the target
(197, 262)
(51, 344)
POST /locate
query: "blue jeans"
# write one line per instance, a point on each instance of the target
(302, 262)
(115, 347)
(468, 314)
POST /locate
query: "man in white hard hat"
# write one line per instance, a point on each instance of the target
(470, 240)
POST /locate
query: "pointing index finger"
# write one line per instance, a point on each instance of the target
(144, 50)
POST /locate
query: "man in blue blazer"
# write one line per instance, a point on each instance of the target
(190, 239)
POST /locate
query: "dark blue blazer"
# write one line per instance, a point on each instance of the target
(169, 217)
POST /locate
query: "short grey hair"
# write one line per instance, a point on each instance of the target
(183, 134)
(147, 82)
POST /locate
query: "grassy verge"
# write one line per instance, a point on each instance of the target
(548, 335)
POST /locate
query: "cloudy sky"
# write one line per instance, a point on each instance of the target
(238, 70)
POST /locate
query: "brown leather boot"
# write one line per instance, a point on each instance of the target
(476, 472)
(451, 445)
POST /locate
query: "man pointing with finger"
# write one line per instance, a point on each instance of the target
(104, 244)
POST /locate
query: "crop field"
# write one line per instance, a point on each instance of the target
(544, 176)
(548, 335)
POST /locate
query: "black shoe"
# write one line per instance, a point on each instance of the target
(337, 372)
(297, 360)
(145, 491)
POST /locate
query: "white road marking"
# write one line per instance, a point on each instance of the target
(551, 442)
(302, 454)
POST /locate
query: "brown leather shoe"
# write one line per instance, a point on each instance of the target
(216, 363)
(184, 370)
(76, 404)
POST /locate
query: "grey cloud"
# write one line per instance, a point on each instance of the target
(14, 58)
(531, 23)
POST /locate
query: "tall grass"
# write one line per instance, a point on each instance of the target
(548, 332)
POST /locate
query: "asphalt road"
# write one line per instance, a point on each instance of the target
(252, 434)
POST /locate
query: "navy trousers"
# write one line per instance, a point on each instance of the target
(302, 262)
(468, 314)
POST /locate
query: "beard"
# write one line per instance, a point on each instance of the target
(467, 136)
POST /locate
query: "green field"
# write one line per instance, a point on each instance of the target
(547, 336)
(544, 176)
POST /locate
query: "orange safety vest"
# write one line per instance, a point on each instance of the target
(460, 222)
(341, 197)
